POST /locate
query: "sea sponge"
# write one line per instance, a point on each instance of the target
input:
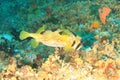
(103, 13)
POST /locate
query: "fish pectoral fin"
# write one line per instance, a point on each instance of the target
(68, 48)
(41, 29)
(23, 35)
(34, 43)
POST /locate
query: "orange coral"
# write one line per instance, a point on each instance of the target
(103, 13)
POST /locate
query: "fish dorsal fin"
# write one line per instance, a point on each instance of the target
(65, 32)
(41, 29)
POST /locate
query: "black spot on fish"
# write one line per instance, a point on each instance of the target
(61, 32)
(74, 34)
(78, 45)
(53, 29)
(73, 43)
(42, 32)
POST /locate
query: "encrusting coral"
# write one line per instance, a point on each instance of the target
(103, 13)
(84, 65)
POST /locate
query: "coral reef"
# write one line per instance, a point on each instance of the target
(98, 63)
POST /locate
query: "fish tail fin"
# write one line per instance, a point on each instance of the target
(34, 43)
(23, 35)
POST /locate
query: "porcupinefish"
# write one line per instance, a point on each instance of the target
(54, 38)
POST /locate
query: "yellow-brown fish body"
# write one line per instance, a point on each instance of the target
(49, 38)
(54, 39)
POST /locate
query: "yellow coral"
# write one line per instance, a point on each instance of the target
(78, 60)
(42, 75)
